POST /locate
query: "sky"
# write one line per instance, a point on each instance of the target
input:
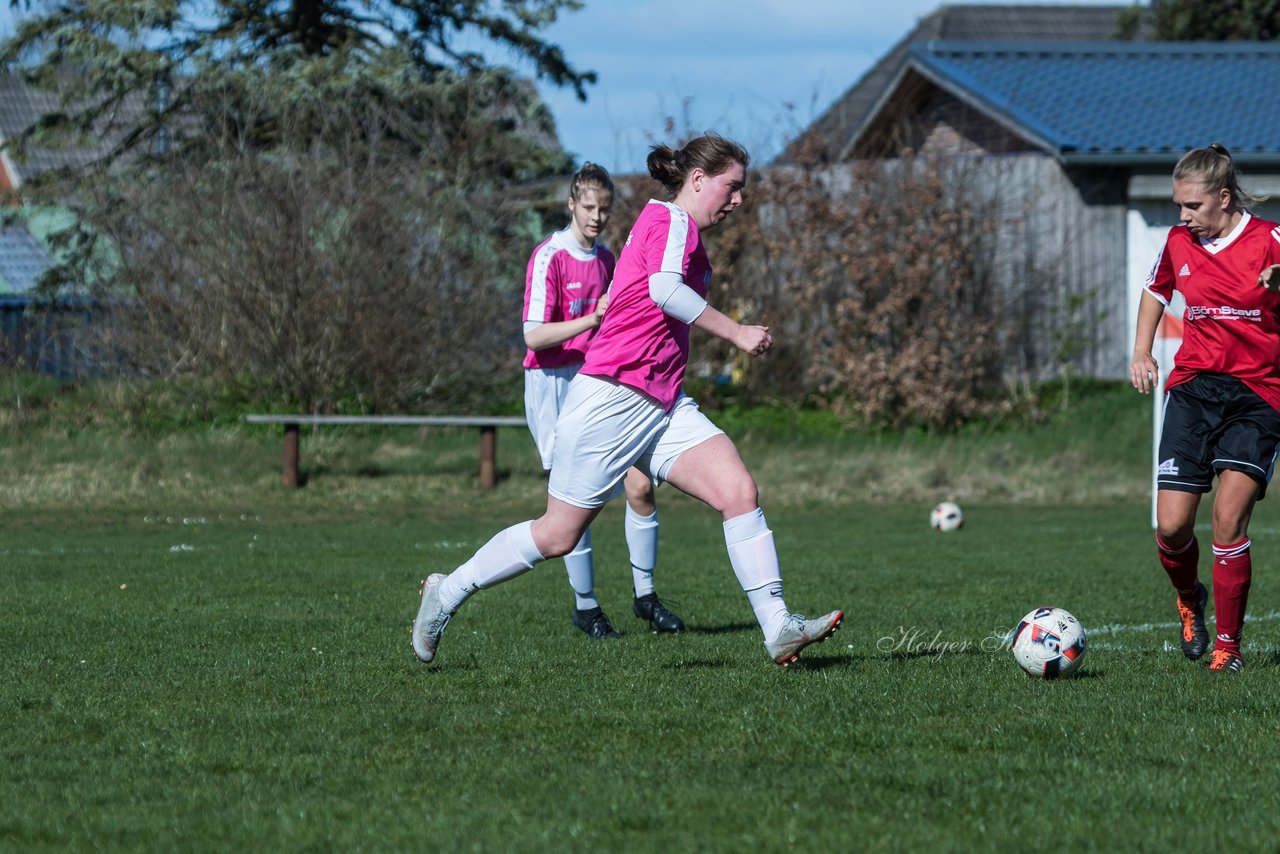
(757, 71)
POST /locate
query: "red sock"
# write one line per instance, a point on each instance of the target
(1232, 572)
(1180, 564)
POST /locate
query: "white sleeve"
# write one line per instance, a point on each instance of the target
(530, 325)
(674, 297)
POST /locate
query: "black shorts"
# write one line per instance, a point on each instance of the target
(1214, 423)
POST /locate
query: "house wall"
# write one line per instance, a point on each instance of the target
(1061, 248)
(60, 339)
(1060, 261)
(1075, 243)
(1057, 259)
(949, 126)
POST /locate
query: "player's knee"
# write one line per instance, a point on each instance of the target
(554, 542)
(556, 546)
(741, 495)
(1174, 534)
(639, 487)
(1228, 528)
(1173, 528)
(1173, 539)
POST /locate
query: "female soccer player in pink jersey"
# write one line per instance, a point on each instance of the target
(625, 408)
(563, 302)
(1221, 410)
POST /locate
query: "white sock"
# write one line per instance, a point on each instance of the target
(510, 553)
(642, 542)
(582, 573)
(755, 561)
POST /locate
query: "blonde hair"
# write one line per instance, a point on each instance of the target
(1215, 170)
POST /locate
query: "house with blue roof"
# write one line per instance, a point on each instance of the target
(37, 333)
(1078, 135)
(24, 256)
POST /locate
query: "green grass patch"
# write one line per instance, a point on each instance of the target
(197, 658)
(161, 447)
(243, 681)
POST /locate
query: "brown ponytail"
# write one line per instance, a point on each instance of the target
(711, 153)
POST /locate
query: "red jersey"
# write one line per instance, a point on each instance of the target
(1232, 325)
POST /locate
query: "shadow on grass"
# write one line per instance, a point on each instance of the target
(731, 628)
(1091, 673)
(911, 655)
(698, 664)
(373, 471)
(1270, 658)
(444, 669)
(305, 475)
(824, 663)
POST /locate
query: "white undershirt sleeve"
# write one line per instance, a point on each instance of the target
(674, 297)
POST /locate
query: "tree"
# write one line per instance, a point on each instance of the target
(1207, 20)
(335, 276)
(128, 71)
(300, 194)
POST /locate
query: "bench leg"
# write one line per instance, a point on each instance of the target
(289, 464)
(488, 457)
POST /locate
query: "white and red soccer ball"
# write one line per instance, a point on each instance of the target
(947, 516)
(1048, 643)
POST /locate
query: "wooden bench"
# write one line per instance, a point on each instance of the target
(488, 425)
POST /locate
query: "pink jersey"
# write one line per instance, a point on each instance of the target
(564, 282)
(638, 344)
(1231, 325)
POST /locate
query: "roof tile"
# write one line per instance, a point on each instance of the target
(22, 259)
(1094, 100)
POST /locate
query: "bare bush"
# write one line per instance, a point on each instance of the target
(344, 265)
(881, 286)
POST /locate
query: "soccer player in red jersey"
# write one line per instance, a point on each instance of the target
(1222, 408)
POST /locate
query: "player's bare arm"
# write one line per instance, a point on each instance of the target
(1143, 368)
(557, 332)
(753, 340)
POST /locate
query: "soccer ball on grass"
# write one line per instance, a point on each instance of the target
(1048, 643)
(946, 517)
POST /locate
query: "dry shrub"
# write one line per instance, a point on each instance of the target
(338, 254)
(878, 282)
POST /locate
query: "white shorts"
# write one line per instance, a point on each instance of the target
(544, 393)
(606, 428)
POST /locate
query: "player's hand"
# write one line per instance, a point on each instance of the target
(754, 340)
(1270, 278)
(1142, 372)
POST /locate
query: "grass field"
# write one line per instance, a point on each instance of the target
(197, 659)
(244, 681)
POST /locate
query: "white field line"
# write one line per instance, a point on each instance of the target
(1142, 628)
(1115, 629)
(1253, 529)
